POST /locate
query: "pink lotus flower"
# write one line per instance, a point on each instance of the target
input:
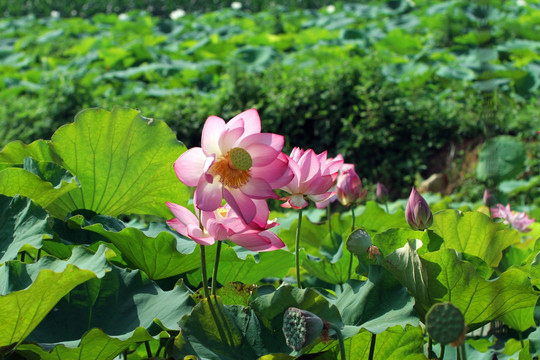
(313, 177)
(349, 186)
(518, 220)
(225, 224)
(381, 194)
(236, 162)
(417, 212)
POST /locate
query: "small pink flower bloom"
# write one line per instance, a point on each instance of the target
(224, 224)
(236, 162)
(349, 186)
(417, 212)
(313, 177)
(518, 220)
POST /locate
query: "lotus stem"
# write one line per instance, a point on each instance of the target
(372, 346)
(340, 339)
(351, 254)
(297, 248)
(214, 272)
(203, 272)
(148, 350)
(441, 355)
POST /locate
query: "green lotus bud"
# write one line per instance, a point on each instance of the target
(446, 324)
(301, 327)
(359, 242)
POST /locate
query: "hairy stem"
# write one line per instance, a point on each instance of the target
(297, 249)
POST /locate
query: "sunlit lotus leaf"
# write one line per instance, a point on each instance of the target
(95, 344)
(18, 181)
(474, 233)
(123, 162)
(15, 152)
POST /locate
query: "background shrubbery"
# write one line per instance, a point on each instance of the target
(393, 86)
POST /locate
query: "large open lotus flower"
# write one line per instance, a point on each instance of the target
(313, 178)
(224, 224)
(349, 186)
(417, 212)
(518, 220)
(236, 162)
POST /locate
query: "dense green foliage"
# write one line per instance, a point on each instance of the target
(389, 85)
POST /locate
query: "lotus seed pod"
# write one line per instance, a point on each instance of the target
(301, 327)
(240, 159)
(445, 323)
(359, 242)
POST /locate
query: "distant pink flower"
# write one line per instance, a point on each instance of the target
(313, 177)
(381, 194)
(224, 224)
(417, 212)
(349, 186)
(518, 220)
(236, 162)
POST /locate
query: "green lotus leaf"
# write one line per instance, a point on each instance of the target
(474, 233)
(29, 292)
(95, 344)
(441, 276)
(123, 162)
(15, 152)
(376, 304)
(17, 181)
(22, 224)
(119, 303)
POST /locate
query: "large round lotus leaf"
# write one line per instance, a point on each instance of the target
(501, 158)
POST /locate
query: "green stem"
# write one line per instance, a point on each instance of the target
(214, 272)
(329, 221)
(340, 339)
(372, 346)
(441, 356)
(521, 339)
(203, 272)
(148, 350)
(458, 353)
(386, 207)
(463, 353)
(297, 249)
(38, 255)
(351, 254)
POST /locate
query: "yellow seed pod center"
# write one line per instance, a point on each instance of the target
(240, 158)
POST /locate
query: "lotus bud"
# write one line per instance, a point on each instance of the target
(488, 198)
(417, 213)
(301, 327)
(349, 186)
(381, 193)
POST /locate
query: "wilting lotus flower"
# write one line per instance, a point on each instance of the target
(349, 186)
(224, 224)
(417, 213)
(236, 162)
(313, 177)
(518, 220)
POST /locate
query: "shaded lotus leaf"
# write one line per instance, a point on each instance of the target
(22, 225)
(376, 304)
(123, 162)
(30, 291)
(120, 303)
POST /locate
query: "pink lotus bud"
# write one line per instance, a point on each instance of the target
(417, 213)
(349, 186)
(381, 193)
